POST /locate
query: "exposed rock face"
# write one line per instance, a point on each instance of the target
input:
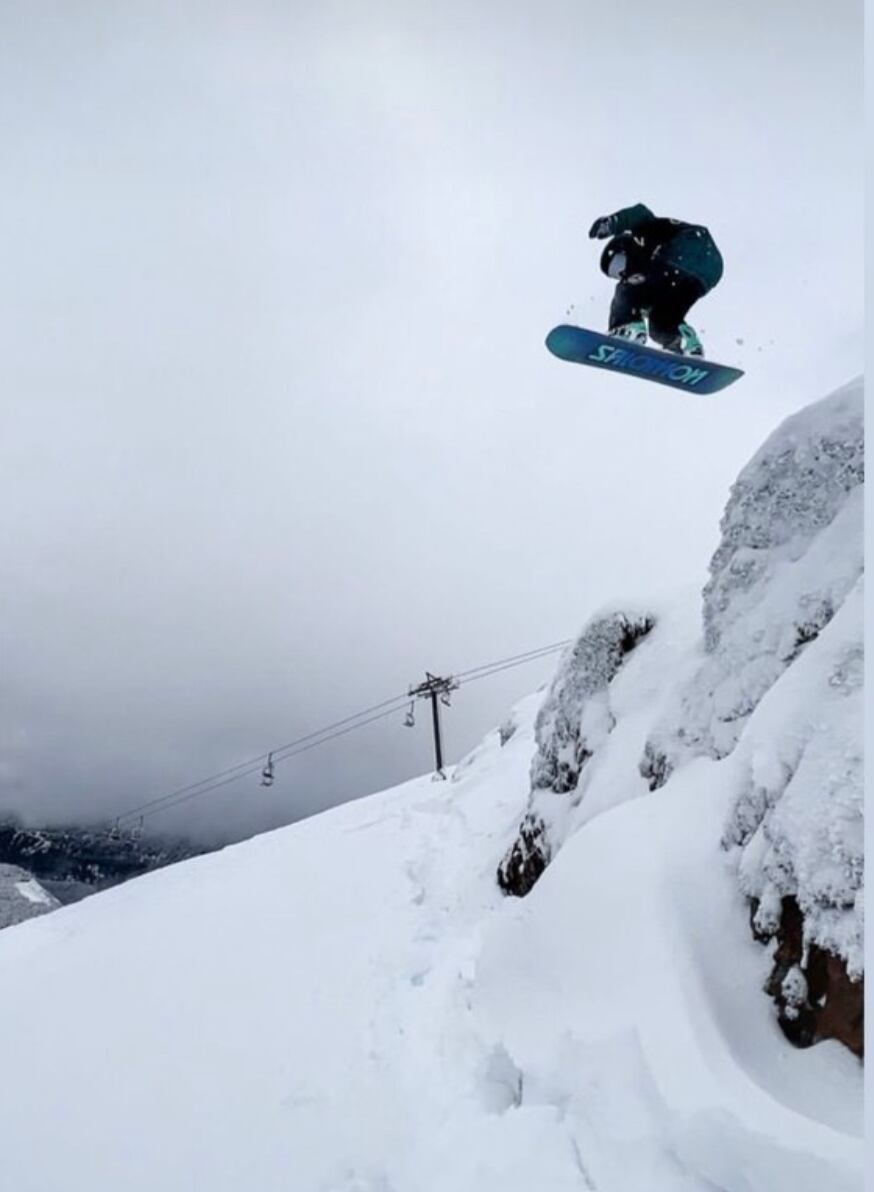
(21, 896)
(573, 722)
(815, 996)
(529, 855)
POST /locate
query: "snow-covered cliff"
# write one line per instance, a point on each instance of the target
(775, 682)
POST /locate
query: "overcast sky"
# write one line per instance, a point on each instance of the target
(279, 431)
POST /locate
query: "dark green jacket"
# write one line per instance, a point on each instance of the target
(687, 247)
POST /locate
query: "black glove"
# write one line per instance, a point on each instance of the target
(601, 228)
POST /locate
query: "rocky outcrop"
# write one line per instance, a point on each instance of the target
(573, 722)
(815, 996)
(526, 859)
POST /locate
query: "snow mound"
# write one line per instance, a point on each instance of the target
(627, 991)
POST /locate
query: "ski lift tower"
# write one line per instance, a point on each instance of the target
(438, 691)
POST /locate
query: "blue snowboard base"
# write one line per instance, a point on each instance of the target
(692, 373)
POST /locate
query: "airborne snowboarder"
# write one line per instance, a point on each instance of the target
(662, 267)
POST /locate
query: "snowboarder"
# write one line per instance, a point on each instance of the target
(662, 267)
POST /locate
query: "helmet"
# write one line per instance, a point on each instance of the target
(616, 255)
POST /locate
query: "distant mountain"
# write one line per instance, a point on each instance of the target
(72, 862)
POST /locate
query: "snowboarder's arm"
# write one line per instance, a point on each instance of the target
(629, 219)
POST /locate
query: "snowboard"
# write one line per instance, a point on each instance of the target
(692, 373)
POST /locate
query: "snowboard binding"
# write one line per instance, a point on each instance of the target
(686, 343)
(634, 332)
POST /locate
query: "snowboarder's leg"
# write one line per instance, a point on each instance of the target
(626, 313)
(672, 299)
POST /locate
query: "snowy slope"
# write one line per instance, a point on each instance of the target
(352, 1004)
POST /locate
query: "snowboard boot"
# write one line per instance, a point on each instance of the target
(636, 332)
(685, 342)
(692, 345)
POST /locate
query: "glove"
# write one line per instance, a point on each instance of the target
(601, 228)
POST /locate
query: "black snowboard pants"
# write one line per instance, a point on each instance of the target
(664, 297)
